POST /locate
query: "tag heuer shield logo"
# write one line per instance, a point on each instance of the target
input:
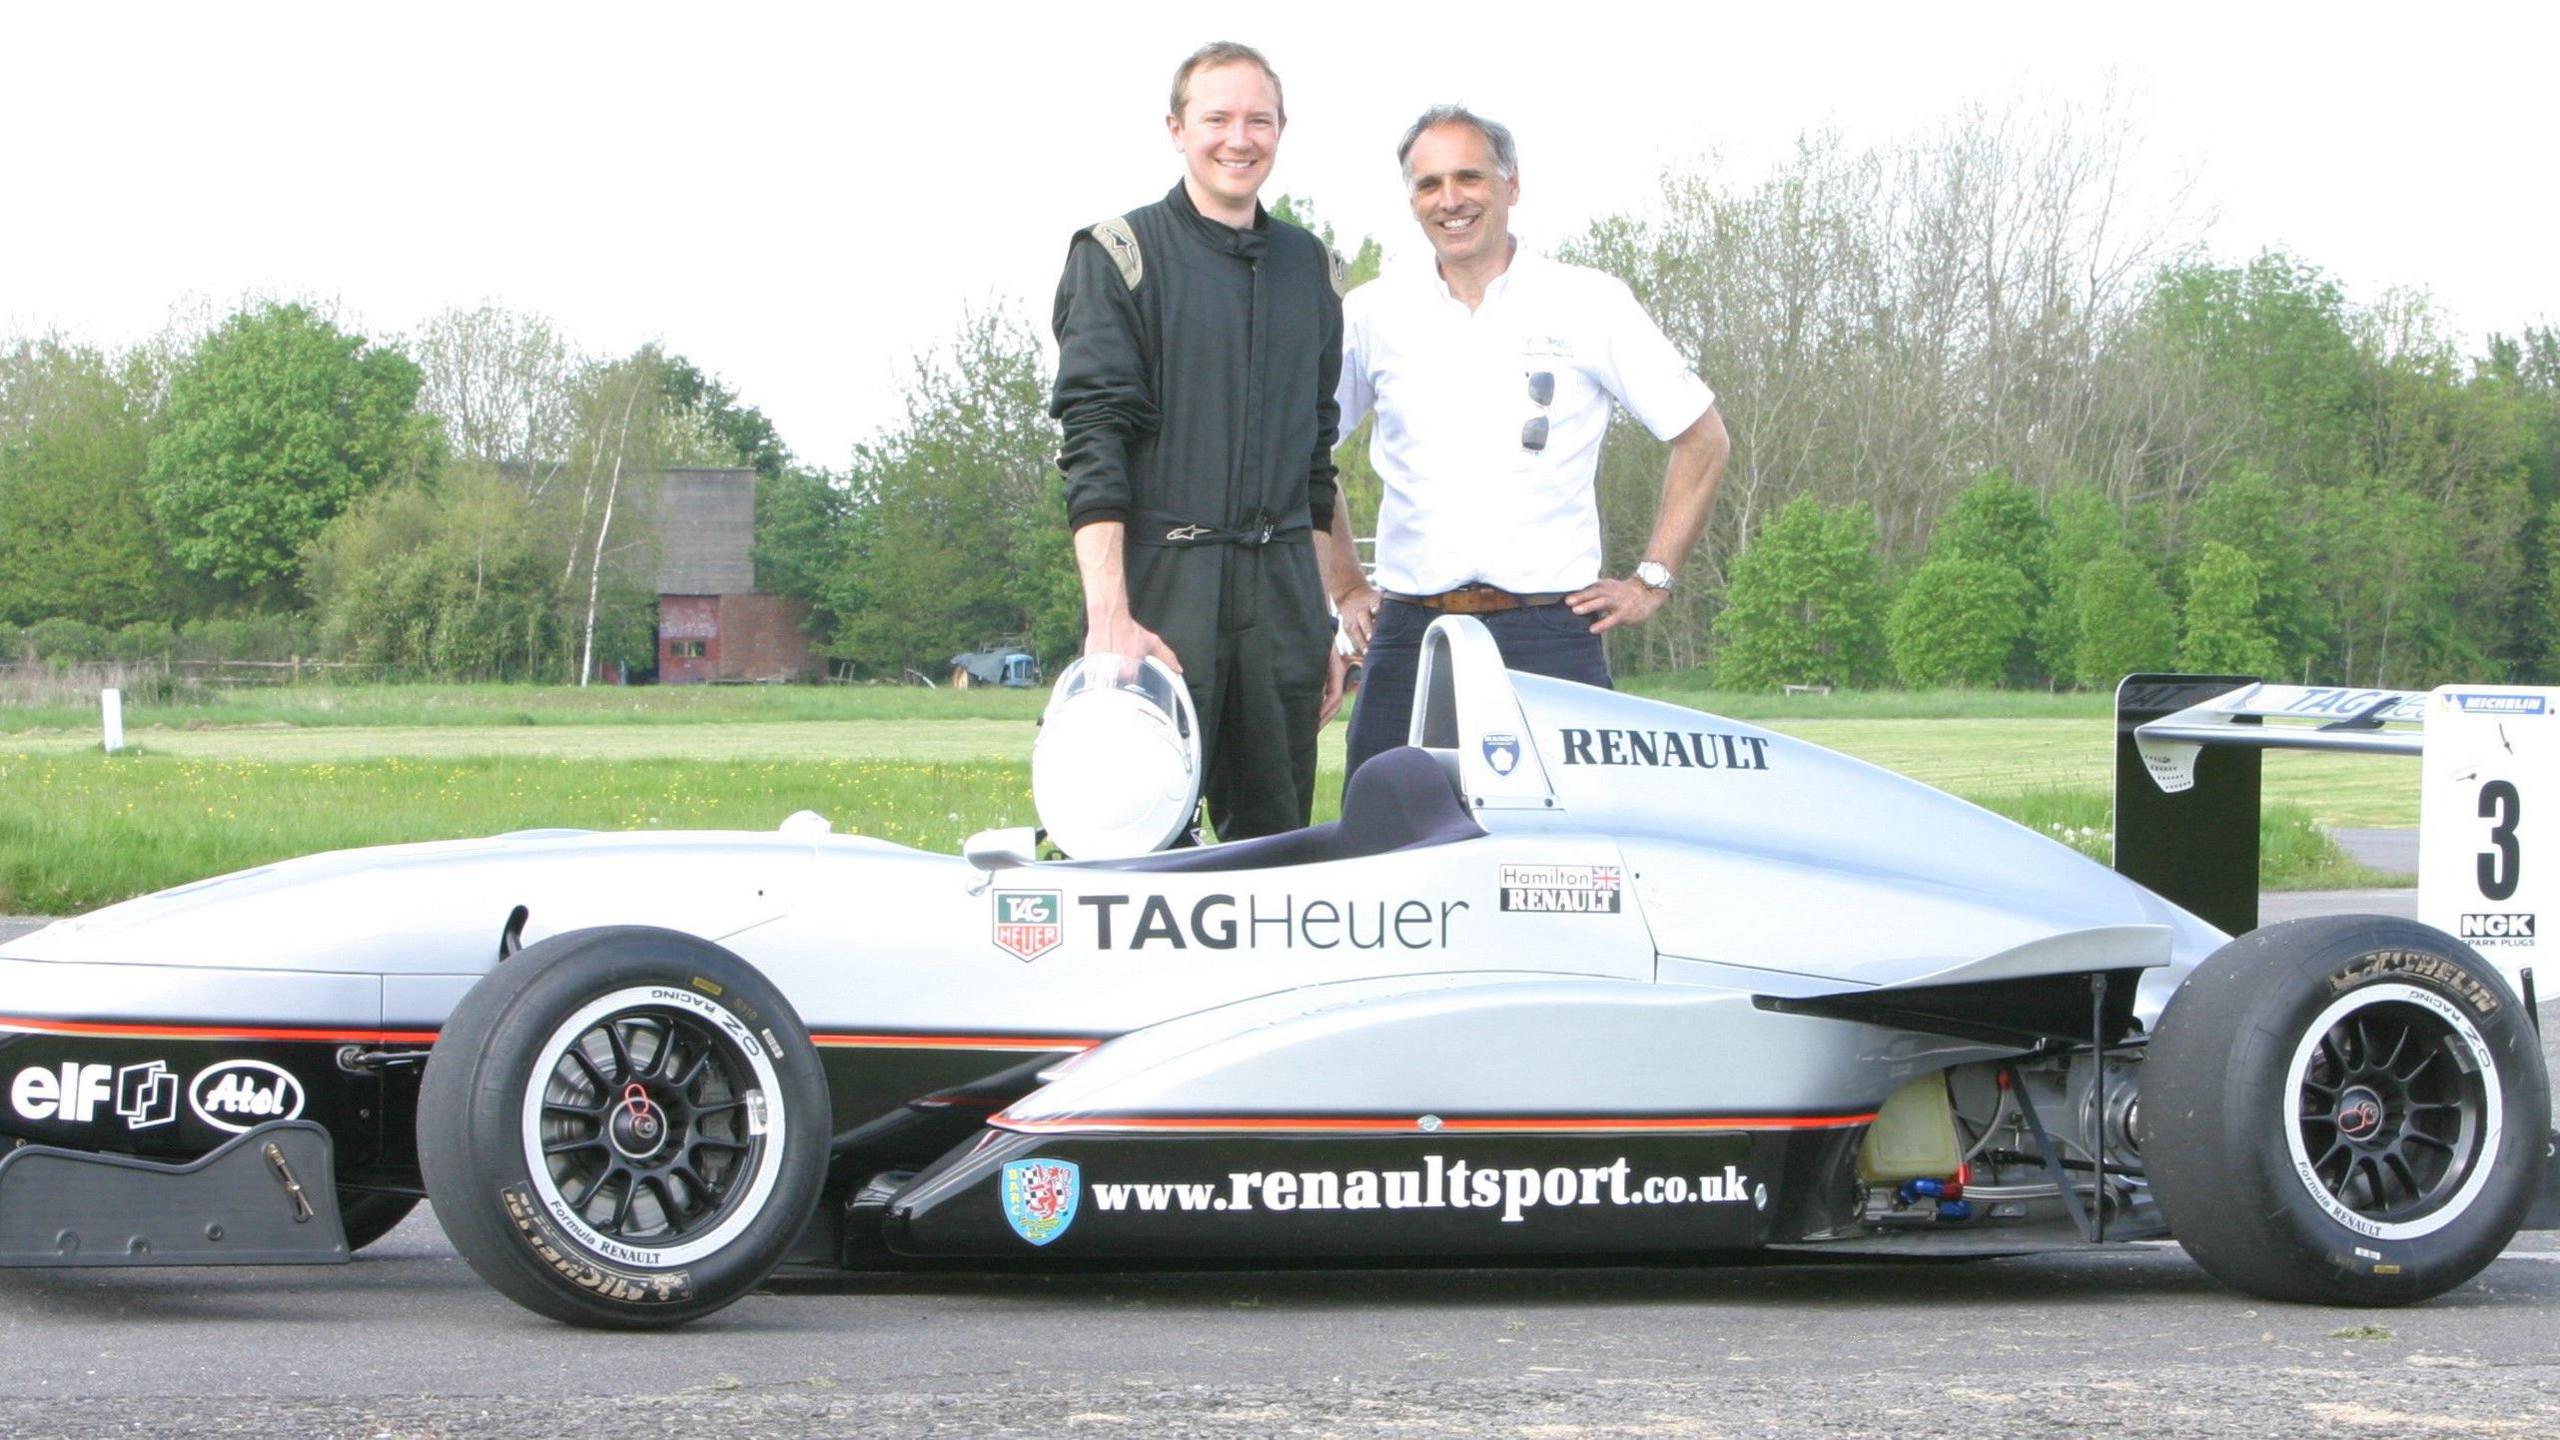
(1502, 752)
(1027, 923)
(1040, 1197)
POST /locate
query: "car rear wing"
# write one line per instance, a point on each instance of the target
(2187, 774)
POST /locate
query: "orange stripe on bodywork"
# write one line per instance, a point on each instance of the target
(1478, 1125)
(1029, 1043)
(127, 1030)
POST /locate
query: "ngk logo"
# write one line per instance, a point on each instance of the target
(143, 1095)
(2497, 927)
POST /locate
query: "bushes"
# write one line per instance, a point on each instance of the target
(1957, 622)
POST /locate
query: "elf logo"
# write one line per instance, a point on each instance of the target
(141, 1095)
(238, 1094)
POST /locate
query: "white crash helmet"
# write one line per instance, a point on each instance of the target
(1116, 770)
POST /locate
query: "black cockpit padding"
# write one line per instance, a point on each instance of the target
(1400, 800)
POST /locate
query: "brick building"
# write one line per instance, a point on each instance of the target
(713, 625)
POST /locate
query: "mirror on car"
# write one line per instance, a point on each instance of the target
(1002, 849)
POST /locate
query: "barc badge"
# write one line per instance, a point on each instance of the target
(1502, 752)
(1040, 1197)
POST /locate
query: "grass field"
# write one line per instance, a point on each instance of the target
(61, 709)
(288, 771)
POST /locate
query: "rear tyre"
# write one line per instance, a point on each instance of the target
(624, 1128)
(2344, 1111)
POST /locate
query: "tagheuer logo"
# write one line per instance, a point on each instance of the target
(1028, 923)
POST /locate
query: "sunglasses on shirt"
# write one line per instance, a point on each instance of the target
(1542, 393)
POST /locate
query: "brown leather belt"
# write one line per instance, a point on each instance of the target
(1478, 600)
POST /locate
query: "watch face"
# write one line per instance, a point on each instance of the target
(1654, 575)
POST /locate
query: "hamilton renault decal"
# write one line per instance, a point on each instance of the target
(1562, 889)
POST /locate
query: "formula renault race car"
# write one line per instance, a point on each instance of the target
(1575, 974)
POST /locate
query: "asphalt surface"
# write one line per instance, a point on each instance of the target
(2129, 1340)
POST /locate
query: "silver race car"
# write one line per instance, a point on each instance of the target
(1576, 973)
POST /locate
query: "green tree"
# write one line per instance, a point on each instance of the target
(2126, 625)
(2250, 513)
(801, 514)
(1997, 519)
(275, 424)
(76, 536)
(2224, 634)
(2274, 337)
(457, 579)
(2083, 525)
(1958, 621)
(743, 428)
(957, 537)
(1805, 606)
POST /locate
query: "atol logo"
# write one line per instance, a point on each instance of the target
(1040, 1197)
(238, 1094)
(2491, 926)
(1028, 923)
(76, 1093)
(1502, 752)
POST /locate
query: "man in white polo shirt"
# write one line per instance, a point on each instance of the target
(1492, 374)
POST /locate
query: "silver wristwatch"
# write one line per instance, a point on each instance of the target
(1654, 575)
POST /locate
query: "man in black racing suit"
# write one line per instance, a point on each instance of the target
(1199, 342)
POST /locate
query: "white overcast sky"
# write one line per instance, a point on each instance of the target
(799, 198)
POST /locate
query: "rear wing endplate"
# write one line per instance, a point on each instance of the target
(2187, 774)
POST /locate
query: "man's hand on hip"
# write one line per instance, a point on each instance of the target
(1615, 603)
(1359, 612)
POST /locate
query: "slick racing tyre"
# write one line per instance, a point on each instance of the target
(623, 1127)
(2344, 1111)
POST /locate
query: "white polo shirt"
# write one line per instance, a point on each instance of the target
(1465, 499)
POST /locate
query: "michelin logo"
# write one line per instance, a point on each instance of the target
(2471, 704)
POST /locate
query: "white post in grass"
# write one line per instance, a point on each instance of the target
(111, 708)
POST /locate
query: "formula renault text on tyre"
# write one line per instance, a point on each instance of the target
(1576, 973)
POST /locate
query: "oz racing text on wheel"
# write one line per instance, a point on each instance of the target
(2345, 1111)
(623, 1127)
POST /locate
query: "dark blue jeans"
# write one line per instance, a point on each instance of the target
(1541, 639)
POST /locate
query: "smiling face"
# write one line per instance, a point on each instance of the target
(1229, 135)
(1463, 201)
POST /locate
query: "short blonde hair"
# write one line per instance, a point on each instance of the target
(1224, 52)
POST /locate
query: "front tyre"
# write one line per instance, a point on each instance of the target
(623, 1127)
(2344, 1111)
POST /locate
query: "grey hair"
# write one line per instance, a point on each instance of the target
(1506, 151)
